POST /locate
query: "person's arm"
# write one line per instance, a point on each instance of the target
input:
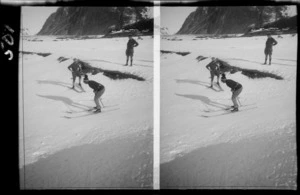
(136, 43)
(70, 68)
(274, 42)
(208, 66)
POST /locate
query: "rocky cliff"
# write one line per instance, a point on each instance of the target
(87, 20)
(219, 20)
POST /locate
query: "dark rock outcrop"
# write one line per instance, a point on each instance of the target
(290, 23)
(282, 26)
(143, 27)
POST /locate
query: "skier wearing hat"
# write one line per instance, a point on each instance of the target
(129, 51)
(236, 89)
(214, 68)
(269, 48)
(98, 90)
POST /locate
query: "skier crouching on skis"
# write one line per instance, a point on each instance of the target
(98, 90)
(236, 89)
(214, 69)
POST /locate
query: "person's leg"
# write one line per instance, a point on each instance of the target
(266, 56)
(74, 78)
(131, 58)
(97, 97)
(218, 78)
(96, 100)
(127, 56)
(270, 58)
(79, 77)
(212, 75)
(235, 94)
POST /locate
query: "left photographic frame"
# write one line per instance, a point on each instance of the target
(86, 97)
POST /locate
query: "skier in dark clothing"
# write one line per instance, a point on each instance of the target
(236, 89)
(129, 51)
(98, 90)
(214, 68)
(269, 48)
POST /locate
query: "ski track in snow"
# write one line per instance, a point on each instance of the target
(47, 97)
(185, 96)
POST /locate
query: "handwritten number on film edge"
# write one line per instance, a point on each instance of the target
(7, 40)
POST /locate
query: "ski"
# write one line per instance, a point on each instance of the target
(228, 108)
(76, 90)
(90, 113)
(227, 112)
(90, 109)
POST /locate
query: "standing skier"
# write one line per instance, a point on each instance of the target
(129, 51)
(269, 48)
(236, 89)
(214, 68)
(76, 69)
(98, 90)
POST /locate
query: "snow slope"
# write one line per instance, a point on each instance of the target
(203, 152)
(48, 140)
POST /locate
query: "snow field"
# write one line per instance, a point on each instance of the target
(185, 97)
(47, 99)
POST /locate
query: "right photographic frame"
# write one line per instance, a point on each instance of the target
(228, 97)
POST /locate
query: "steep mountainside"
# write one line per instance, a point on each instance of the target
(219, 20)
(86, 20)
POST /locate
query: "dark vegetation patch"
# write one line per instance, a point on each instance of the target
(200, 58)
(40, 54)
(253, 74)
(112, 74)
(217, 36)
(250, 73)
(61, 59)
(174, 39)
(35, 40)
(77, 37)
(176, 52)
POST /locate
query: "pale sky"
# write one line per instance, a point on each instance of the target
(34, 18)
(174, 17)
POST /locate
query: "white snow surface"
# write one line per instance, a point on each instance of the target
(45, 82)
(185, 97)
